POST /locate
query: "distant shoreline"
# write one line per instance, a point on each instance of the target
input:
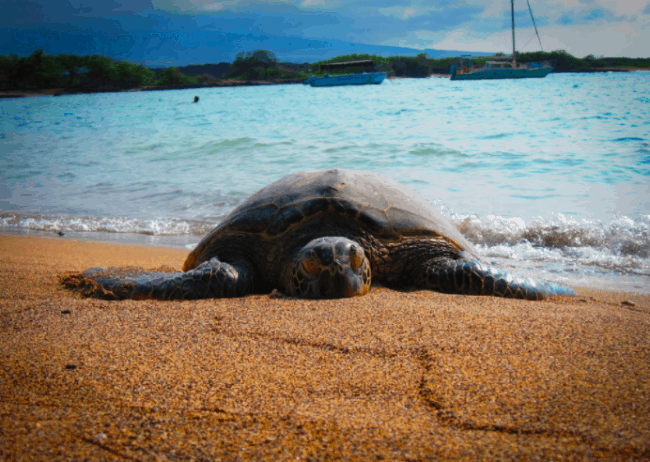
(72, 91)
(230, 83)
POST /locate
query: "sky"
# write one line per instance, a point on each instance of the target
(133, 28)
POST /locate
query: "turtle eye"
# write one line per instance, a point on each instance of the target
(311, 265)
(356, 257)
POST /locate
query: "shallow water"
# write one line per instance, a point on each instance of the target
(548, 177)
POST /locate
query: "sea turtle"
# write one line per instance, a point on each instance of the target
(327, 234)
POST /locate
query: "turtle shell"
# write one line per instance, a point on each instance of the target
(383, 207)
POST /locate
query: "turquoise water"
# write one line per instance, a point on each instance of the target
(549, 177)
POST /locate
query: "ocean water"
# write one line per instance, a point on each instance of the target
(546, 177)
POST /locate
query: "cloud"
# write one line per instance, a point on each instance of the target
(581, 27)
(646, 9)
(213, 6)
(198, 6)
(626, 7)
(464, 25)
(587, 15)
(618, 39)
(320, 4)
(460, 40)
(403, 12)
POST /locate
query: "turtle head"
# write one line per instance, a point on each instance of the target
(330, 267)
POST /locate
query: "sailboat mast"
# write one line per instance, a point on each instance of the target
(512, 12)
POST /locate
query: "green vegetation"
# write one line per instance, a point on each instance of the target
(99, 73)
(633, 63)
(399, 66)
(421, 66)
(70, 71)
(260, 65)
(172, 76)
(354, 57)
(568, 63)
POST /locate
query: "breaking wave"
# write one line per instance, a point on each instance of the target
(621, 245)
(87, 224)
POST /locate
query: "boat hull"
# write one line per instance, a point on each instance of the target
(347, 79)
(495, 74)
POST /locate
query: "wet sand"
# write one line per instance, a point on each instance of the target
(391, 376)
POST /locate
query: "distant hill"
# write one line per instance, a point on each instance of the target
(214, 70)
(183, 48)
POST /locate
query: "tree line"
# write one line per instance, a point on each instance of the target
(89, 73)
(423, 66)
(261, 65)
(39, 71)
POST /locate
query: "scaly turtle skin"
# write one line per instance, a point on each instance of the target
(326, 234)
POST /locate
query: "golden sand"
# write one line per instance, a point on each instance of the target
(391, 375)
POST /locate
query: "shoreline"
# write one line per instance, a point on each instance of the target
(391, 375)
(236, 83)
(218, 84)
(617, 282)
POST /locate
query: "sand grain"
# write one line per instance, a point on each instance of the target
(392, 375)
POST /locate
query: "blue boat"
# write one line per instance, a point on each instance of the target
(358, 78)
(500, 69)
(363, 78)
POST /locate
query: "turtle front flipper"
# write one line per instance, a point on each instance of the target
(469, 276)
(211, 279)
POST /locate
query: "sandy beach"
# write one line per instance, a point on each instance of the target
(391, 375)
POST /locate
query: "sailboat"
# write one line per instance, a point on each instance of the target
(502, 69)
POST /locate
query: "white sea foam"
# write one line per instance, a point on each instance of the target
(621, 235)
(598, 253)
(622, 245)
(85, 224)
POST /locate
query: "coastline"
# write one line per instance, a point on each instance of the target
(233, 84)
(220, 83)
(393, 375)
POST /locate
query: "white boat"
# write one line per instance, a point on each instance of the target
(499, 68)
